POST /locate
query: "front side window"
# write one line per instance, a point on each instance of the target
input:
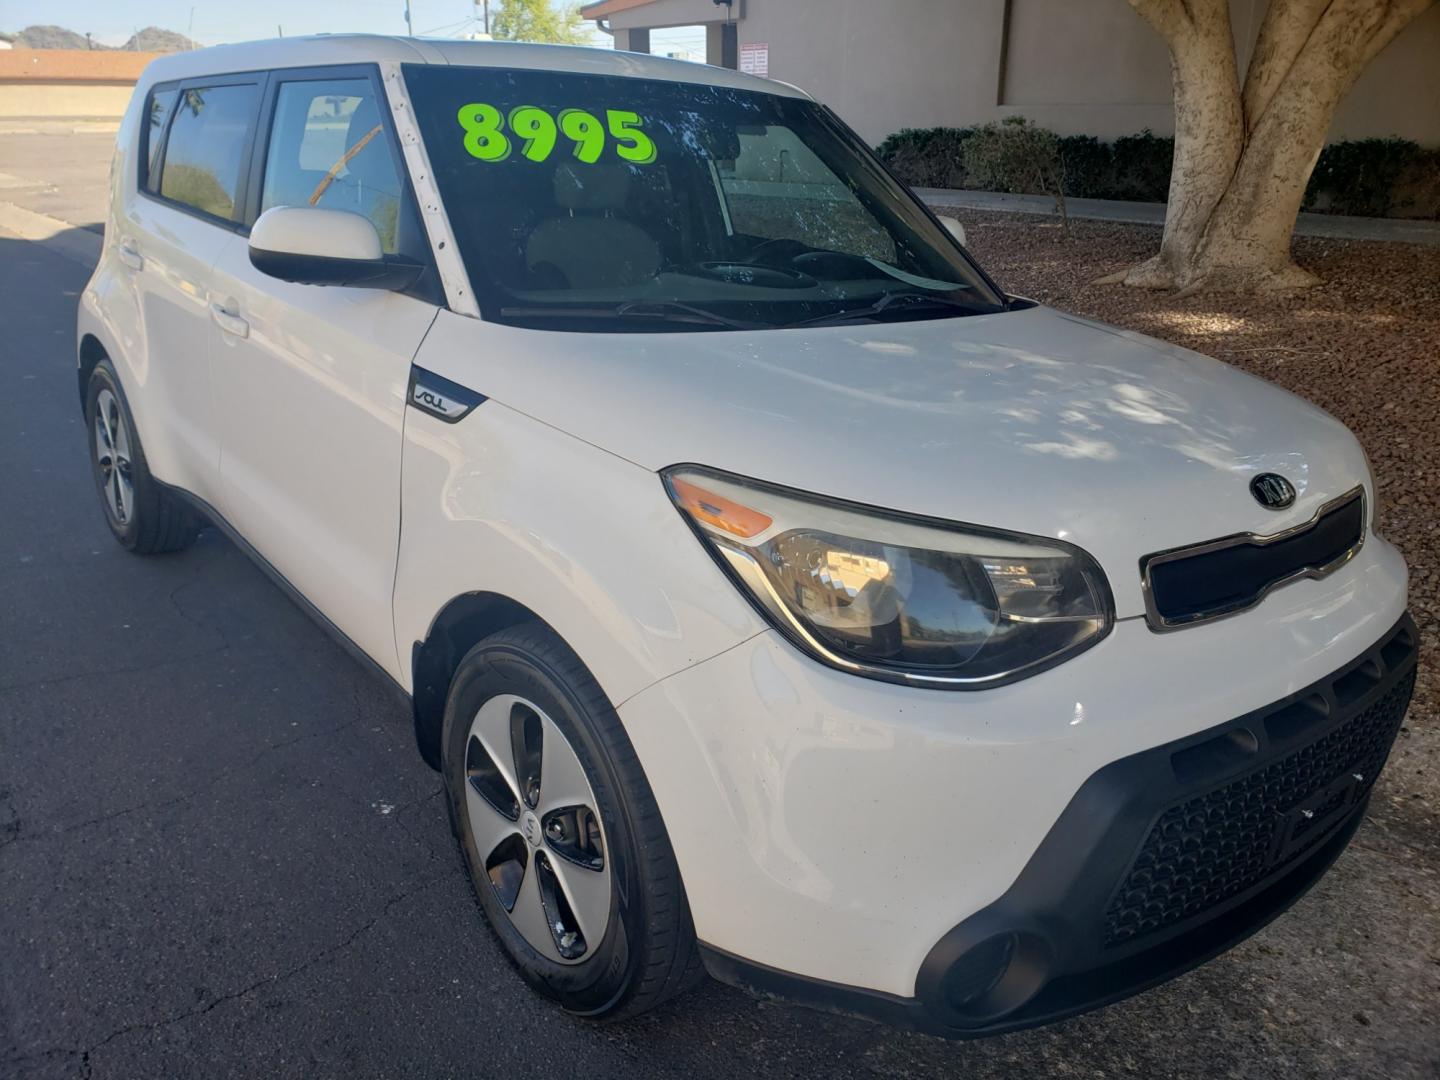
(206, 151)
(590, 202)
(328, 149)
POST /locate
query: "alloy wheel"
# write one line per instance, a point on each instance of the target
(537, 830)
(112, 457)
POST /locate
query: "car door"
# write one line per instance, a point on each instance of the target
(190, 199)
(311, 381)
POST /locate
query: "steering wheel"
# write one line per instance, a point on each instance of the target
(779, 251)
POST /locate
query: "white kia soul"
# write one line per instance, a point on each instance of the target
(778, 596)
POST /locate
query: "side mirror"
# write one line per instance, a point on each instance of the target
(954, 228)
(310, 246)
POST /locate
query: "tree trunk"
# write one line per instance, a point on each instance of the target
(1243, 159)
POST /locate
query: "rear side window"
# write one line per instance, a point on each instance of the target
(328, 149)
(162, 103)
(206, 152)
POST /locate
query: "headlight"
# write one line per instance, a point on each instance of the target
(895, 597)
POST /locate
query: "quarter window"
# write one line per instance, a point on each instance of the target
(328, 149)
(205, 154)
(162, 103)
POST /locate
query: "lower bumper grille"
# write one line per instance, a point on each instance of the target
(1209, 848)
(1168, 857)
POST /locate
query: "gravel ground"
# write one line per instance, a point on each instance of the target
(1365, 346)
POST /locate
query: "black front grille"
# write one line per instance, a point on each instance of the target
(1212, 847)
(1223, 576)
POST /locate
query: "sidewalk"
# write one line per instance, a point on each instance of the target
(1393, 230)
(58, 125)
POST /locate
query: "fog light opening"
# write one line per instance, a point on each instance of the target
(996, 977)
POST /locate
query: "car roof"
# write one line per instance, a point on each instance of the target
(332, 49)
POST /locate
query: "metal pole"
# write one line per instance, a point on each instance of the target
(409, 29)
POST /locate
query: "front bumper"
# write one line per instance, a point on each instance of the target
(832, 830)
(1160, 862)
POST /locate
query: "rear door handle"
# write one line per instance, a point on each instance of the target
(130, 256)
(227, 316)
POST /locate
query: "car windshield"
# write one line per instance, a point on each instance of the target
(597, 203)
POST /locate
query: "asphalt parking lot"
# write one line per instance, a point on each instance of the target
(221, 856)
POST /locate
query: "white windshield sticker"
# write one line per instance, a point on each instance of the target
(914, 279)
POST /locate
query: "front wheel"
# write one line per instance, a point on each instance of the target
(560, 831)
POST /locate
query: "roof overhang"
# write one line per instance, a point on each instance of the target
(602, 8)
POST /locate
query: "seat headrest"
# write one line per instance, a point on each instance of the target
(591, 187)
(362, 121)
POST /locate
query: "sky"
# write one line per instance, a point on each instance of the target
(217, 21)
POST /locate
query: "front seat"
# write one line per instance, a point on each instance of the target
(590, 247)
(366, 183)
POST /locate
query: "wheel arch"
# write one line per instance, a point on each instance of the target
(458, 627)
(92, 351)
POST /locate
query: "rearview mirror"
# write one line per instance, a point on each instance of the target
(310, 246)
(954, 228)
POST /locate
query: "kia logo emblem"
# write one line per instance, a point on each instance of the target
(1272, 491)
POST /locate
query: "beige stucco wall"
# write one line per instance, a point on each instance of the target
(62, 99)
(1093, 67)
(882, 66)
(1077, 66)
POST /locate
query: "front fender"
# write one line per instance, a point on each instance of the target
(501, 503)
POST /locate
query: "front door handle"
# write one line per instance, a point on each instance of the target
(226, 315)
(130, 256)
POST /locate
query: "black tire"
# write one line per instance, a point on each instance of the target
(648, 953)
(157, 521)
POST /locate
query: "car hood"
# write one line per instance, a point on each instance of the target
(1031, 420)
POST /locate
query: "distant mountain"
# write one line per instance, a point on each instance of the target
(52, 37)
(154, 39)
(151, 39)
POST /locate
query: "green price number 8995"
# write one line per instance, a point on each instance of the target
(538, 132)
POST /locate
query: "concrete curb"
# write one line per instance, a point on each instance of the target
(71, 126)
(71, 241)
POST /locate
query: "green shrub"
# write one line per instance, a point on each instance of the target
(1142, 167)
(1366, 177)
(1089, 167)
(927, 157)
(1417, 191)
(1018, 156)
(1376, 178)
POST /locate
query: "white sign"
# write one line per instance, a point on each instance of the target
(755, 59)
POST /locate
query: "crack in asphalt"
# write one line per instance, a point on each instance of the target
(101, 672)
(192, 579)
(209, 782)
(270, 980)
(10, 820)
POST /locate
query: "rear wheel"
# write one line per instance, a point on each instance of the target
(143, 516)
(560, 831)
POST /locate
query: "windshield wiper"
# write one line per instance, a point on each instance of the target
(680, 311)
(883, 304)
(674, 311)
